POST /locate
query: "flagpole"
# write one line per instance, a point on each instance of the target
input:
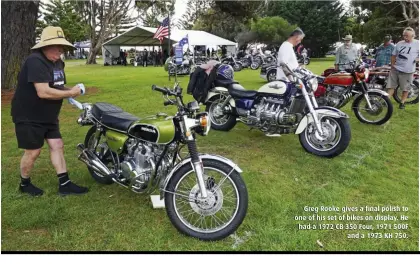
(169, 41)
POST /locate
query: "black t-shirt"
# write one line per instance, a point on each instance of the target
(26, 105)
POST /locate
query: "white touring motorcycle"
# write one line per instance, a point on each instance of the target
(280, 108)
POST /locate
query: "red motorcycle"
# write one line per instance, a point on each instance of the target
(336, 89)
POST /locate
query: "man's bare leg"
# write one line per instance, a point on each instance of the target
(57, 154)
(404, 97)
(26, 164)
(66, 187)
(390, 92)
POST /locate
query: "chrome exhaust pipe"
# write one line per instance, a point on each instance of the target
(92, 161)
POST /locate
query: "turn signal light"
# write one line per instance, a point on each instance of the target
(361, 75)
(203, 121)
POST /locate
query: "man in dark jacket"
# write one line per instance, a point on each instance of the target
(36, 106)
(145, 55)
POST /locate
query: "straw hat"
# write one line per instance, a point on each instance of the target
(348, 37)
(52, 36)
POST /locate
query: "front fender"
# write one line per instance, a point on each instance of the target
(321, 112)
(219, 90)
(188, 160)
(372, 91)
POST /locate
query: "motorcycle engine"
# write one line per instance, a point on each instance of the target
(271, 115)
(140, 163)
(337, 96)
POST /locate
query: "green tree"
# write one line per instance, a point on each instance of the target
(378, 18)
(151, 11)
(221, 24)
(271, 30)
(195, 9)
(62, 14)
(104, 17)
(321, 21)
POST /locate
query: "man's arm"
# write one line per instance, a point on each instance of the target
(393, 58)
(337, 58)
(44, 91)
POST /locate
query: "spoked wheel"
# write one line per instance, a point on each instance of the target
(211, 218)
(254, 66)
(272, 76)
(413, 94)
(335, 139)
(380, 112)
(237, 67)
(219, 119)
(102, 152)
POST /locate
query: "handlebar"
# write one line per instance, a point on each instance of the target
(166, 103)
(165, 91)
(76, 103)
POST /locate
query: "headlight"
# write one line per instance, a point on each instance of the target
(313, 83)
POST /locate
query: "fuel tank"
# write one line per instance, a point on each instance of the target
(276, 87)
(156, 129)
(341, 78)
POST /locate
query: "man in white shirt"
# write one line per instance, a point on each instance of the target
(287, 55)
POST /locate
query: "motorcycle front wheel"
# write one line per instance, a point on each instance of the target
(413, 94)
(381, 110)
(335, 140)
(211, 218)
(219, 120)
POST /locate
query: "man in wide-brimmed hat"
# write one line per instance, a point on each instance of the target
(36, 106)
(346, 53)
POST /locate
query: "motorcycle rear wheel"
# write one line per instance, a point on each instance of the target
(215, 217)
(379, 103)
(413, 95)
(338, 137)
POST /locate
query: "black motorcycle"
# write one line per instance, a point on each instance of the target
(230, 60)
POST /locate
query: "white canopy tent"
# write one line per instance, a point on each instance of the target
(143, 36)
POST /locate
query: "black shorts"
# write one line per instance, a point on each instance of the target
(32, 135)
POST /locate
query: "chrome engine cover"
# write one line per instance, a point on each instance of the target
(140, 163)
(270, 114)
(337, 96)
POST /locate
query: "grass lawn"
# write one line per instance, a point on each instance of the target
(379, 168)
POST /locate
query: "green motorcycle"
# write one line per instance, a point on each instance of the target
(204, 195)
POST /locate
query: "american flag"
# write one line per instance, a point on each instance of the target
(163, 30)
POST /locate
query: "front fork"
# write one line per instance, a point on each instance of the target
(195, 159)
(198, 167)
(311, 102)
(365, 93)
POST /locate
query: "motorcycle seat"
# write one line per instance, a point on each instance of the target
(238, 91)
(112, 116)
(224, 83)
